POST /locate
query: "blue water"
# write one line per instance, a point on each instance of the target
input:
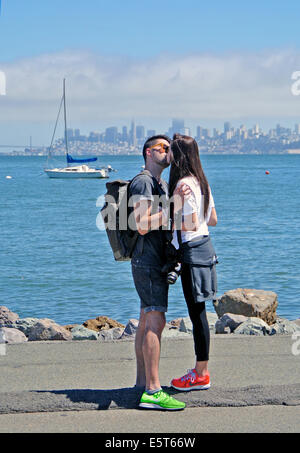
(55, 262)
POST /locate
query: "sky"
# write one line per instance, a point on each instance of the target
(206, 62)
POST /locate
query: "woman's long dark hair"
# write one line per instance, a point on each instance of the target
(186, 162)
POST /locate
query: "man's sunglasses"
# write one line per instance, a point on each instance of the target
(163, 148)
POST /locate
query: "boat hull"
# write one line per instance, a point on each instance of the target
(97, 174)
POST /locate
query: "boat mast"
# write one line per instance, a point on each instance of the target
(65, 115)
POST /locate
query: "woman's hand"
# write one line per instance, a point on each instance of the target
(183, 190)
(180, 193)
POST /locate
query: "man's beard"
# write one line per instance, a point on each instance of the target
(164, 163)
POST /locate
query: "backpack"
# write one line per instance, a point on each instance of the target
(122, 239)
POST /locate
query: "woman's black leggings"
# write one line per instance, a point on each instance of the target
(198, 316)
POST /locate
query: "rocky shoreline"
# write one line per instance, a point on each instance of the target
(238, 312)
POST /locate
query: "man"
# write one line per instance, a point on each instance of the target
(150, 283)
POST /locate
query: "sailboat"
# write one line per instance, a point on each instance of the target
(71, 171)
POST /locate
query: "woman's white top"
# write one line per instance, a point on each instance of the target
(194, 203)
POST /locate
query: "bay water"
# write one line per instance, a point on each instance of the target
(55, 263)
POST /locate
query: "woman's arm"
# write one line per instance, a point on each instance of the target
(213, 220)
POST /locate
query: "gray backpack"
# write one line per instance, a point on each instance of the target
(121, 238)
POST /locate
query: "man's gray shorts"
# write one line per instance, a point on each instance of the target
(152, 288)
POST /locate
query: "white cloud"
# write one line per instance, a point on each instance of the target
(200, 86)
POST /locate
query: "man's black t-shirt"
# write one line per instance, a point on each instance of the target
(149, 251)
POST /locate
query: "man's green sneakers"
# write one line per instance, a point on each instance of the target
(160, 400)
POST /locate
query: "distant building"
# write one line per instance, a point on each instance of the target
(133, 133)
(140, 132)
(124, 134)
(151, 133)
(177, 127)
(198, 133)
(77, 133)
(111, 135)
(70, 134)
(297, 129)
(227, 127)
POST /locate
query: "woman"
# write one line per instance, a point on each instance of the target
(198, 257)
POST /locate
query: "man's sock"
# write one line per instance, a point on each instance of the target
(151, 392)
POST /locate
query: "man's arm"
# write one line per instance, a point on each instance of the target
(145, 221)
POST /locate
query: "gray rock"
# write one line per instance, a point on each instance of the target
(186, 325)
(82, 333)
(229, 322)
(2, 336)
(12, 336)
(171, 331)
(111, 334)
(284, 327)
(7, 317)
(220, 327)
(46, 329)
(212, 318)
(25, 324)
(253, 326)
(249, 303)
(297, 321)
(130, 329)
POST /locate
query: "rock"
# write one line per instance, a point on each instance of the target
(82, 333)
(297, 321)
(175, 322)
(130, 329)
(25, 324)
(253, 326)
(101, 323)
(171, 331)
(12, 336)
(229, 322)
(7, 317)
(284, 327)
(46, 329)
(187, 326)
(69, 327)
(111, 334)
(212, 318)
(249, 303)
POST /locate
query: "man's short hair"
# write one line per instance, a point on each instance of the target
(151, 141)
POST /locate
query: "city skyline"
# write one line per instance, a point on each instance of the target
(228, 140)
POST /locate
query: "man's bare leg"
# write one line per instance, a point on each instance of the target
(139, 339)
(154, 324)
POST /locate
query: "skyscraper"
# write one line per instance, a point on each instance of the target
(124, 134)
(140, 132)
(198, 133)
(111, 135)
(133, 133)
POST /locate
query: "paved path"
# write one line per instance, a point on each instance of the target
(69, 387)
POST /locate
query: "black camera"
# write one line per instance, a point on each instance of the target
(173, 275)
(172, 266)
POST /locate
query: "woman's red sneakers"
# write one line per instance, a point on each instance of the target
(191, 381)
